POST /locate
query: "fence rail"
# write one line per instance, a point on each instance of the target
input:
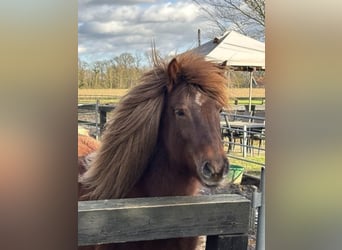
(103, 99)
(125, 220)
(115, 98)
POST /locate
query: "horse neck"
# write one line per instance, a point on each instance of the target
(165, 177)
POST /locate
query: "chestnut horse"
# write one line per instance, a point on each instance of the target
(164, 140)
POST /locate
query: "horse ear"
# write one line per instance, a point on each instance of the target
(172, 70)
(224, 63)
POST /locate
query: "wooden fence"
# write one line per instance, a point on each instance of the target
(224, 218)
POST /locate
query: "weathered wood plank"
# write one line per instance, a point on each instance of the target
(124, 220)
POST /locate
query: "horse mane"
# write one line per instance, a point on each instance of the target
(129, 140)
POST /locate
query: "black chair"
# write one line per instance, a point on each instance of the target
(259, 116)
(226, 131)
(259, 136)
(233, 134)
(245, 116)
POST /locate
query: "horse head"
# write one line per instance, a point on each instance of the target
(191, 121)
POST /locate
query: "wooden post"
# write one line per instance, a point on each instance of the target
(250, 91)
(96, 119)
(104, 109)
(227, 242)
(103, 118)
(260, 244)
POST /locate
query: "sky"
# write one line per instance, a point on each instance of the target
(108, 28)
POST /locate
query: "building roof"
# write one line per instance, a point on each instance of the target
(238, 50)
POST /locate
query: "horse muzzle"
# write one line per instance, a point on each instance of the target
(212, 172)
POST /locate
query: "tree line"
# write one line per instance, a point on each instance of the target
(122, 71)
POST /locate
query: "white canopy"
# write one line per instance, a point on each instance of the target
(237, 49)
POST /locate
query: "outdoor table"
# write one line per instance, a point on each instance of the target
(244, 126)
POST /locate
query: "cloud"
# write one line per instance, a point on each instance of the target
(116, 2)
(179, 12)
(104, 13)
(107, 30)
(81, 49)
(101, 28)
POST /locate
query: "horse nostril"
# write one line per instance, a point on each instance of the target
(207, 170)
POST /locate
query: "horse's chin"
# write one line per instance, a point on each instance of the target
(211, 184)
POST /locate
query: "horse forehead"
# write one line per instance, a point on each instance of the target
(199, 100)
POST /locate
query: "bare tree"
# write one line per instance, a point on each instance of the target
(82, 67)
(122, 71)
(244, 16)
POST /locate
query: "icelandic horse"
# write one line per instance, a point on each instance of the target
(164, 140)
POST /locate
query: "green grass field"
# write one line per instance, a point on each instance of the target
(249, 166)
(252, 163)
(114, 95)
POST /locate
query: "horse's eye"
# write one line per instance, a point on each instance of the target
(179, 112)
